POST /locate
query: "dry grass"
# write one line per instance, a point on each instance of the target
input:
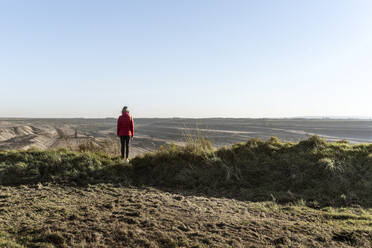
(113, 216)
(196, 141)
(108, 146)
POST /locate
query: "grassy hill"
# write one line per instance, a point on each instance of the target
(262, 193)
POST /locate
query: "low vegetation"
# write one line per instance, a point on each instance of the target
(313, 170)
(311, 194)
(7, 241)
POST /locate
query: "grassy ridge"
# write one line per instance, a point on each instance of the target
(314, 171)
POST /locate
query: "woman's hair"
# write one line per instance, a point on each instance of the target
(125, 109)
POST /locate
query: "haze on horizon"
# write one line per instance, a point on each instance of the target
(185, 58)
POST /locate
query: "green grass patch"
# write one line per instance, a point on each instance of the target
(313, 171)
(6, 241)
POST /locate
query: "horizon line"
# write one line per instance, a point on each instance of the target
(216, 117)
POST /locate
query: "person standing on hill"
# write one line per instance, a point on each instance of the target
(125, 130)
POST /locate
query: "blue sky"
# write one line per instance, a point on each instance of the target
(194, 58)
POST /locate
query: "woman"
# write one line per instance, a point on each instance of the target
(125, 130)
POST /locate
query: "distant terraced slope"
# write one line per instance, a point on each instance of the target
(26, 136)
(22, 135)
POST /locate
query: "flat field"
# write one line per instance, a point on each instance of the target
(151, 133)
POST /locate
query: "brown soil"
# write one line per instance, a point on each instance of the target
(115, 216)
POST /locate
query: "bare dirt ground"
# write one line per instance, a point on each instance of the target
(113, 216)
(150, 134)
(17, 134)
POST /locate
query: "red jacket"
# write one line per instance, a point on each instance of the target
(125, 125)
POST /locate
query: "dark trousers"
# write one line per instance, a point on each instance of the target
(124, 140)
